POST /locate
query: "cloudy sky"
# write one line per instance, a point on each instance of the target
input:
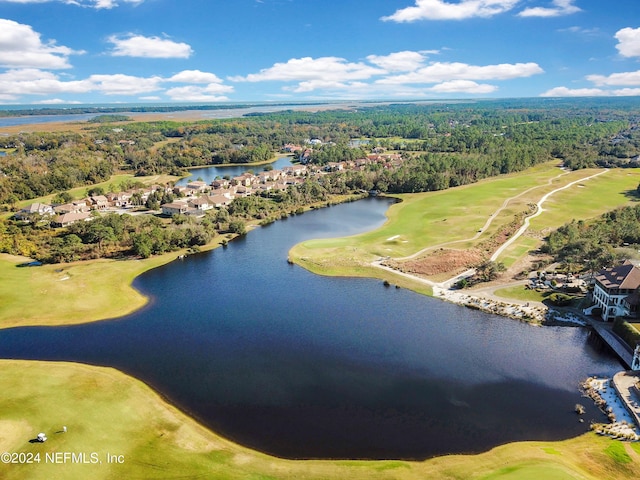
(112, 51)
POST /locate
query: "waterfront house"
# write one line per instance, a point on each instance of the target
(612, 286)
(220, 183)
(245, 180)
(198, 186)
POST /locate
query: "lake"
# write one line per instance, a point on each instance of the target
(209, 174)
(304, 366)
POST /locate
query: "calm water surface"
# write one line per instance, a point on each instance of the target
(302, 366)
(209, 174)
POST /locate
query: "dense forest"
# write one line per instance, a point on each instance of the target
(441, 145)
(449, 144)
(596, 244)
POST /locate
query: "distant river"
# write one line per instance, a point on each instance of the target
(178, 115)
(300, 365)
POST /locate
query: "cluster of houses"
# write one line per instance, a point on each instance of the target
(81, 210)
(196, 197)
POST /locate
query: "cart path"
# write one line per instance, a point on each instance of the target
(487, 224)
(447, 283)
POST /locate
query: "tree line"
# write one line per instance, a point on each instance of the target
(456, 143)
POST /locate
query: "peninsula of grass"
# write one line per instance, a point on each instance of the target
(108, 413)
(74, 293)
(456, 218)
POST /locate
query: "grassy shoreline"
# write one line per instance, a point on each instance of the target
(77, 292)
(108, 412)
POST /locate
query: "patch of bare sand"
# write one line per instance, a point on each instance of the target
(441, 261)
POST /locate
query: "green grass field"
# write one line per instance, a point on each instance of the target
(69, 293)
(454, 218)
(112, 415)
(73, 293)
(521, 293)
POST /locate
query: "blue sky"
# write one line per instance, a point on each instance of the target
(160, 51)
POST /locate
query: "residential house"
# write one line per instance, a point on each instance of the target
(174, 208)
(612, 286)
(246, 180)
(305, 156)
(198, 186)
(66, 219)
(230, 193)
(292, 148)
(220, 183)
(29, 211)
(295, 170)
(242, 191)
(219, 200)
(99, 202)
(264, 177)
(76, 206)
(201, 203)
(120, 199)
(334, 167)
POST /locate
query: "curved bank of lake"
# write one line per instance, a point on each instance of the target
(300, 365)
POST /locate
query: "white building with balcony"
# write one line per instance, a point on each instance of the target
(612, 286)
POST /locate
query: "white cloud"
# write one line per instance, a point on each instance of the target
(560, 7)
(330, 69)
(30, 81)
(21, 46)
(191, 93)
(98, 4)
(627, 92)
(399, 61)
(194, 76)
(582, 30)
(119, 84)
(38, 82)
(54, 101)
(388, 75)
(616, 79)
(312, 85)
(628, 42)
(463, 86)
(148, 47)
(441, 10)
(575, 92)
(444, 71)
